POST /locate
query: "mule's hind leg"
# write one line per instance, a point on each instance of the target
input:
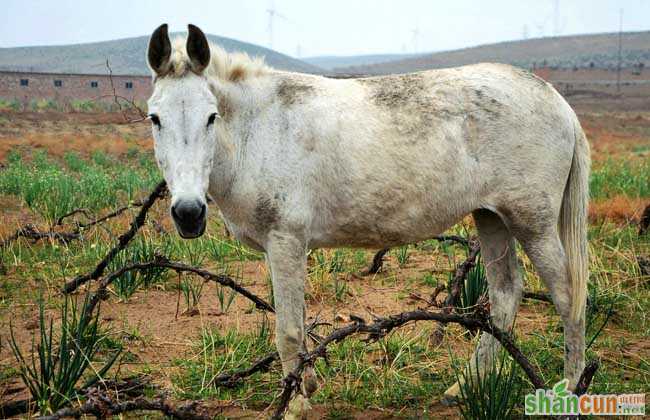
(504, 285)
(547, 255)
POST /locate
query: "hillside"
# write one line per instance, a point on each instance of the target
(330, 62)
(126, 56)
(583, 51)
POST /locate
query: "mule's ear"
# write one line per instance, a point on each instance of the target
(197, 48)
(160, 49)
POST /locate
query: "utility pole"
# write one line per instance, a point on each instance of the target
(556, 18)
(620, 51)
(416, 36)
(272, 15)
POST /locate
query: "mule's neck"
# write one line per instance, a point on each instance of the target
(239, 106)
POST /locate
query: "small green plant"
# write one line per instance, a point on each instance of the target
(192, 289)
(141, 250)
(402, 255)
(340, 288)
(54, 371)
(493, 394)
(225, 298)
(473, 288)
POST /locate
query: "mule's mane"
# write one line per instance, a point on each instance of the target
(232, 67)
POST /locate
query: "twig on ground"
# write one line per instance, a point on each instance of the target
(101, 405)
(29, 231)
(378, 259)
(382, 326)
(163, 262)
(585, 378)
(541, 296)
(230, 380)
(158, 192)
(377, 262)
(96, 221)
(644, 222)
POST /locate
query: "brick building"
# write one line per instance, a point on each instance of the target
(63, 88)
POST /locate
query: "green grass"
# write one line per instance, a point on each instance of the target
(57, 365)
(53, 189)
(495, 394)
(219, 352)
(622, 177)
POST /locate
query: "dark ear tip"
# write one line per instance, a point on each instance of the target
(162, 28)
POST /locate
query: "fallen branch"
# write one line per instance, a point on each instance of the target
(29, 231)
(15, 408)
(230, 380)
(585, 378)
(541, 296)
(377, 262)
(378, 259)
(382, 326)
(99, 404)
(162, 262)
(158, 192)
(95, 221)
(644, 222)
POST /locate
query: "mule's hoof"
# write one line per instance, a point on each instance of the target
(449, 401)
(298, 408)
(309, 382)
(450, 397)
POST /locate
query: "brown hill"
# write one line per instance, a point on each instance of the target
(580, 51)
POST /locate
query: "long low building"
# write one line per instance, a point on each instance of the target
(64, 88)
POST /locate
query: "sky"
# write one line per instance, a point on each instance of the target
(304, 28)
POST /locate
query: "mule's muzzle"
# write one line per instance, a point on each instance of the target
(189, 217)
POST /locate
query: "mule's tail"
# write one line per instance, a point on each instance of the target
(573, 222)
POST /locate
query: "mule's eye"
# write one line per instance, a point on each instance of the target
(211, 119)
(154, 119)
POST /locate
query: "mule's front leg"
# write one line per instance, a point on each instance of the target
(287, 257)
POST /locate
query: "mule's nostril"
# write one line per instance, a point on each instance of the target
(188, 211)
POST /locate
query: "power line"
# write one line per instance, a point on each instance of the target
(620, 51)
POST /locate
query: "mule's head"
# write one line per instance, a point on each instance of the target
(183, 111)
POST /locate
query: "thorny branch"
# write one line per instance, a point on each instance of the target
(158, 192)
(101, 405)
(382, 326)
(163, 262)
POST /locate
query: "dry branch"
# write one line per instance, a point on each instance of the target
(29, 231)
(377, 262)
(378, 259)
(101, 405)
(230, 380)
(162, 262)
(96, 221)
(644, 223)
(116, 98)
(158, 192)
(382, 326)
